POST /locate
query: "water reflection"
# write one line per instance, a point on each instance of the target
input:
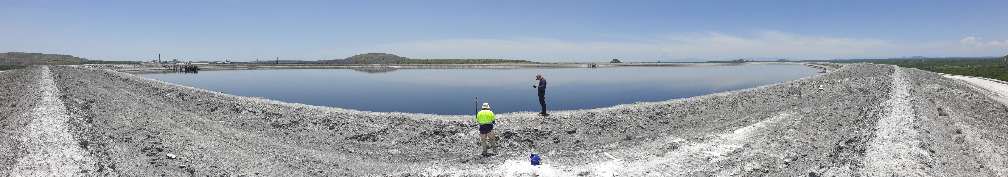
(452, 91)
(374, 69)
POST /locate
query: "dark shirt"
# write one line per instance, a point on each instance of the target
(542, 85)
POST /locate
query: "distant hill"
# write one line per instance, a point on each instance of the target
(24, 59)
(376, 58)
(384, 58)
(460, 61)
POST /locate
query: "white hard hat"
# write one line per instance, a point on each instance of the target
(486, 105)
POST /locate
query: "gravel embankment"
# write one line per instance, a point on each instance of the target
(857, 119)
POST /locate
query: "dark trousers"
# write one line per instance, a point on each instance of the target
(542, 101)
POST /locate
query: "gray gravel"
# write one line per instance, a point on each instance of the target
(825, 125)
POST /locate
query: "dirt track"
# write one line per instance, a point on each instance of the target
(858, 119)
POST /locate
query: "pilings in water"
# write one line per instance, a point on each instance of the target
(184, 68)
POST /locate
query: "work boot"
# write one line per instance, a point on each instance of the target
(484, 145)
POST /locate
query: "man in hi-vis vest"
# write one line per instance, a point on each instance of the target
(486, 121)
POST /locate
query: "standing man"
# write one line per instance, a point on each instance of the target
(542, 94)
(486, 118)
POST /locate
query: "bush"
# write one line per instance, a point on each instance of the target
(989, 68)
(10, 67)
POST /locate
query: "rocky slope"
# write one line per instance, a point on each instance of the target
(857, 119)
(24, 59)
(375, 58)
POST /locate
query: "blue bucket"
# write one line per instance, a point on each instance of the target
(535, 159)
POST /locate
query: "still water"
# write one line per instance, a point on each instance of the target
(453, 91)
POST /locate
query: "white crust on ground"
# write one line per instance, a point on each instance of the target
(52, 150)
(895, 150)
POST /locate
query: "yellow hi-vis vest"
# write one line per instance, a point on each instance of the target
(485, 117)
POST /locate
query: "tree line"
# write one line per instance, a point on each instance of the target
(994, 68)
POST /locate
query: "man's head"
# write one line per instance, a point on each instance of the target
(538, 77)
(486, 106)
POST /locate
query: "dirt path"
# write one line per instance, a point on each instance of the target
(894, 151)
(51, 149)
(997, 90)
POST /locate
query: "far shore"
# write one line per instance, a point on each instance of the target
(166, 68)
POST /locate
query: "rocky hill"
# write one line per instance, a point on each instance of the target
(460, 61)
(376, 58)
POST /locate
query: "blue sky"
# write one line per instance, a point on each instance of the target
(531, 30)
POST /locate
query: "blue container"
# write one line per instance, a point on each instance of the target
(535, 159)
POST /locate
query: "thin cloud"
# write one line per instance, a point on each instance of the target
(686, 46)
(977, 47)
(773, 44)
(975, 42)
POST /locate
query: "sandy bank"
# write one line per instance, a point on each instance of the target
(820, 125)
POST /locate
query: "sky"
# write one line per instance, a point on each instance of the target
(551, 30)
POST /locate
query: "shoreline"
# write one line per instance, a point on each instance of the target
(133, 70)
(165, 68)
(520, 67)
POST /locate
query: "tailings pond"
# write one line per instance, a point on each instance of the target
(453, 91)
